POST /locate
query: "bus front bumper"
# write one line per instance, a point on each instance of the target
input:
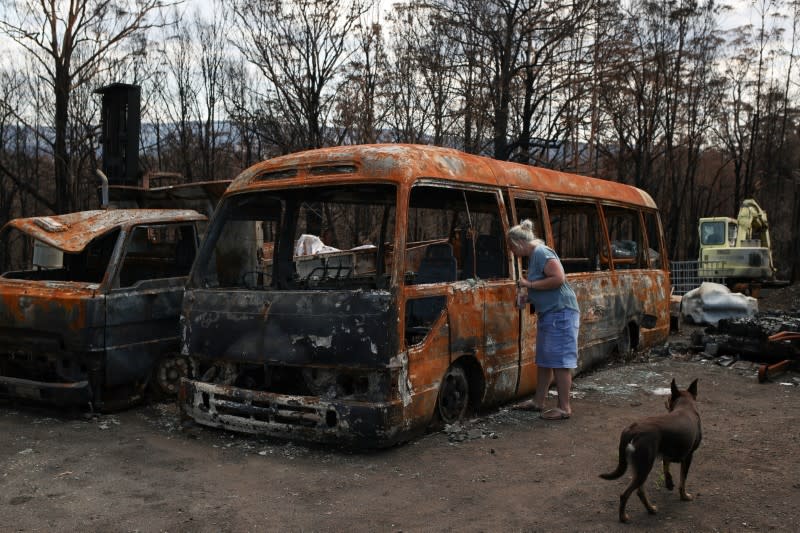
(308, 418)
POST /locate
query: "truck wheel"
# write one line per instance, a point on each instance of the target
(453, 395)
(167, 376)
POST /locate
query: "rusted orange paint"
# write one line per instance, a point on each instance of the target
(405, 163)
(479, 326)
(67, 301)
(72, 232)
(60, 327)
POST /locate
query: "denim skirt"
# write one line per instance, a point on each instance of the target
(557, 339)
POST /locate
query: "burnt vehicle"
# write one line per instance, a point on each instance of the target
(361, 294)
(89, 311)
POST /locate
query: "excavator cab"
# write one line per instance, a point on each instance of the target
(739, 249)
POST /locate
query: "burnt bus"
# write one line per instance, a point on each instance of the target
(361, 294)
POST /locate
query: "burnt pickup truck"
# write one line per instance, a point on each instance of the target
(89, 308)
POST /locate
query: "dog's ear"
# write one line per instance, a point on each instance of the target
(674, 389)
(693, 389)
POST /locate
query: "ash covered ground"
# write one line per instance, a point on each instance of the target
(505, 470)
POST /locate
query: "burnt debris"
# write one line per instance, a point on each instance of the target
(770, 339)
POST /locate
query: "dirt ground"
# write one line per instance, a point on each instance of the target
(506, 470)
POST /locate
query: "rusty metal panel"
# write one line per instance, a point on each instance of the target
(391, 162)
(72, 232)
(609, 306)
(71, 313)
(51, 339)
(291, 327)
(465, 310)
(425, 363)
(405, 163)
(561, 183)
(502, 341)
(141, 325)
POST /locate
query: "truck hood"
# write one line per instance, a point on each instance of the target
(71, 233)
(38, 317)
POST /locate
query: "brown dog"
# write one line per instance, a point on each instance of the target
(674, 436)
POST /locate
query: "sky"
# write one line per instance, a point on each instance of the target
(742, 12)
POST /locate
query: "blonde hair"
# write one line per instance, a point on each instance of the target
(523, 233)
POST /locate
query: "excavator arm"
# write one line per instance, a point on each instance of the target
(753, 224)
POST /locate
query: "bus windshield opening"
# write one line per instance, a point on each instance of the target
(304, 238)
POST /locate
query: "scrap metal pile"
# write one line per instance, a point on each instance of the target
(769, 338)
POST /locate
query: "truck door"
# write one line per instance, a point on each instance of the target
(144, 304)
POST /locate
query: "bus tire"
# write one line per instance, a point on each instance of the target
(453, 400)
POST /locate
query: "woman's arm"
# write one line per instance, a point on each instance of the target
(554, 277)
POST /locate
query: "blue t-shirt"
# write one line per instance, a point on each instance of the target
(562, 297)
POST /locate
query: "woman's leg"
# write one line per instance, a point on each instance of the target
(544, 376)
(563, 385)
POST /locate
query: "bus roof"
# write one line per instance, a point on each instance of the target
(404, 163)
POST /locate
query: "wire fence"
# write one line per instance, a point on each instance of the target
(688, 275)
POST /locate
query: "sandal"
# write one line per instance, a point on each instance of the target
(555, 414)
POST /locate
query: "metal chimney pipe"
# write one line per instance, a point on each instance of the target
(103, 179)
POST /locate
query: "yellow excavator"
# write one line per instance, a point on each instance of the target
(738, 249)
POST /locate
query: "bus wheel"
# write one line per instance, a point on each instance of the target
(453, 395)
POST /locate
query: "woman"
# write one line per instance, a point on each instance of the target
(558, 318)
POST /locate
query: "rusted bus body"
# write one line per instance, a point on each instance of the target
(409, 315)
(94, 304)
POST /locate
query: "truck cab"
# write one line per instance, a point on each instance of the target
(90, 302)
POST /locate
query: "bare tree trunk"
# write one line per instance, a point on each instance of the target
(71, 42)
(61, 155)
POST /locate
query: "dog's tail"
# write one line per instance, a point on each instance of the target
(625, 449)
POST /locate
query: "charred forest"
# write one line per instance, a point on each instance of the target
(686, 99)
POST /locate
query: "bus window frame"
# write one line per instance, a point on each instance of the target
(502, 213)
